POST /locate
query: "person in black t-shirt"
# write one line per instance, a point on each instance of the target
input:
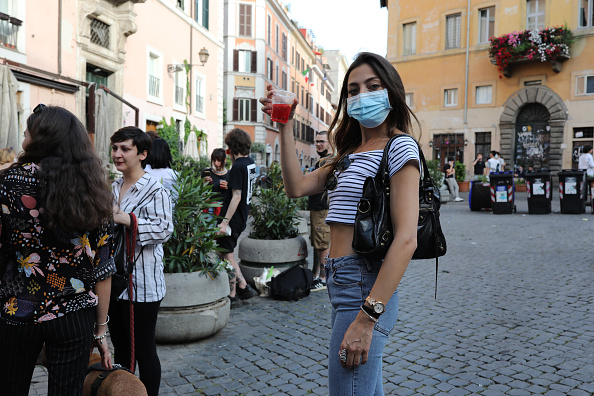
(217, 175)
(450, 179)
(236, 206)
(318, 210)
(479, 166)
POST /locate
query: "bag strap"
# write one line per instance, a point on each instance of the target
(425, 183)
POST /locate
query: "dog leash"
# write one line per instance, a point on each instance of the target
(104, 373)
(131, 244)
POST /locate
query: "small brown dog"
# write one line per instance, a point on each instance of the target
(116, 383)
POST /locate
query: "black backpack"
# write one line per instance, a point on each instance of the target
(292, 284)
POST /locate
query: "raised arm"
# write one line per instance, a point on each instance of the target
(296, 184)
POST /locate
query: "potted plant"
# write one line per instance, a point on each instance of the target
(463, 184)
(196, 304)
(274, 239)
(537, 45)
(520, 184)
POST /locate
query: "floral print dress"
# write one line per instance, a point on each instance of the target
(45, 273)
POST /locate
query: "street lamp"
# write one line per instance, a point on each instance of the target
(203, 55)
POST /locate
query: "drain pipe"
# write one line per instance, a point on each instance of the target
(60, 37)
(467, 56)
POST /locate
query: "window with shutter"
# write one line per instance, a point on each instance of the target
(276, 39)
(254, 110)
(235, 60)
(453, 26)
(285, 47)
(245, 20)
(254, 62)
(269, 30)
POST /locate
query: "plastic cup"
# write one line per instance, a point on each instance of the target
(282, 102)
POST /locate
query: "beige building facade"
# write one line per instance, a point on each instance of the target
(263, 45)
(534, 112)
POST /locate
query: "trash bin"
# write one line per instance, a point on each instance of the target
(502, 192)
(479, 196)
(538, 187)
(572, 191)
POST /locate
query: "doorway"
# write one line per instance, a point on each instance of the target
(533, 137)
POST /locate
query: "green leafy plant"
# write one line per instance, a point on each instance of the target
(192, 245)
(483, 179)
(169, 132)
(274, 215)
(519, 181)
(435, 172)
(460, 169)
(301, 202)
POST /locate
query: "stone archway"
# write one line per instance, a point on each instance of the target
(558, 115)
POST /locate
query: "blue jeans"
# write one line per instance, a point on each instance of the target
(349, 281)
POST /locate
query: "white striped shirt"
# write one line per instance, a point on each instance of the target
(345, 197)
(151, 203)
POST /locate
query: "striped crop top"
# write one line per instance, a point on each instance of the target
(345, 197)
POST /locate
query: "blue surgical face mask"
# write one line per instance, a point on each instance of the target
(369, 108)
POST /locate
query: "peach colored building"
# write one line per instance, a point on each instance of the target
(170, 33)
(536, 114)
(264, 46)
(134, 48)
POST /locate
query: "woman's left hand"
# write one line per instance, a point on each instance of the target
(356, 342)
(104, 352)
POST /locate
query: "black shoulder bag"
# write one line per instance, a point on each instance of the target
(373, 232)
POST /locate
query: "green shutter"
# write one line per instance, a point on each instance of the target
(205, 13)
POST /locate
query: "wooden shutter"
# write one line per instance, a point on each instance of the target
(205, 13)
(235, 109)
(254, 61)
(254, 110)
(248, 20)
(235, 60)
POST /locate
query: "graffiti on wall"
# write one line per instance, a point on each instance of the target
(533, 144)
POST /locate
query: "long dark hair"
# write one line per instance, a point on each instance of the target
(75, 195)
(345, 132)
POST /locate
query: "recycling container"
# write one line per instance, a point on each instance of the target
(479, 196)
(572, 191)
(538, 187)
(502, 192)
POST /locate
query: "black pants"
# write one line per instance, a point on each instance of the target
(67, 346)
(145, 322)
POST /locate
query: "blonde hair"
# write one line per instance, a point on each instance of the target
(7, 155)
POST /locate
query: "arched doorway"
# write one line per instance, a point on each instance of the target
(533, 137)
(537, 107)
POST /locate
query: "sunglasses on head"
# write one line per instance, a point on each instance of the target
(341, 166)
(39, 108)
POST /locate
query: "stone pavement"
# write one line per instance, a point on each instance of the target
(512, 317)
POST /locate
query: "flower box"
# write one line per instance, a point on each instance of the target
(538, 45)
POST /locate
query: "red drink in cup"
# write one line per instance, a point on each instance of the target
(282, 101)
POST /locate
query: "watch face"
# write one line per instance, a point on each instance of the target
(378, 307)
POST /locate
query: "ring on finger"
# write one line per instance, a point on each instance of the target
(343, 355)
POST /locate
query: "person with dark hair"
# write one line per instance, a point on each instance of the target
(318, 210)
(153, 135)
(363, 292)
(449, 169)
(138, 195)
(217, 175)
(158, 165)
(56, 257)
(236, 207)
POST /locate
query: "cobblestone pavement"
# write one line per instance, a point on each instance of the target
(512, 317)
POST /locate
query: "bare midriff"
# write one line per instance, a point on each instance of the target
(341, 238)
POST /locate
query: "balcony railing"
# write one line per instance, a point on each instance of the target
(9, 30)
(154, 85)
(179, 96)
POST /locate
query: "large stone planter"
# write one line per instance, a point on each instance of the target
(195, 307)
(257, 254)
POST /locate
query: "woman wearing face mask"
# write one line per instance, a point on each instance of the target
(362, 291)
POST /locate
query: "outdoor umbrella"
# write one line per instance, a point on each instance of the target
(191, 148)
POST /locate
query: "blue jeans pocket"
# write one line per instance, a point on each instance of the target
(346, 276)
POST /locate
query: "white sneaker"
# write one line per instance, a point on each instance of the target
(458, 199)
(318, 284)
